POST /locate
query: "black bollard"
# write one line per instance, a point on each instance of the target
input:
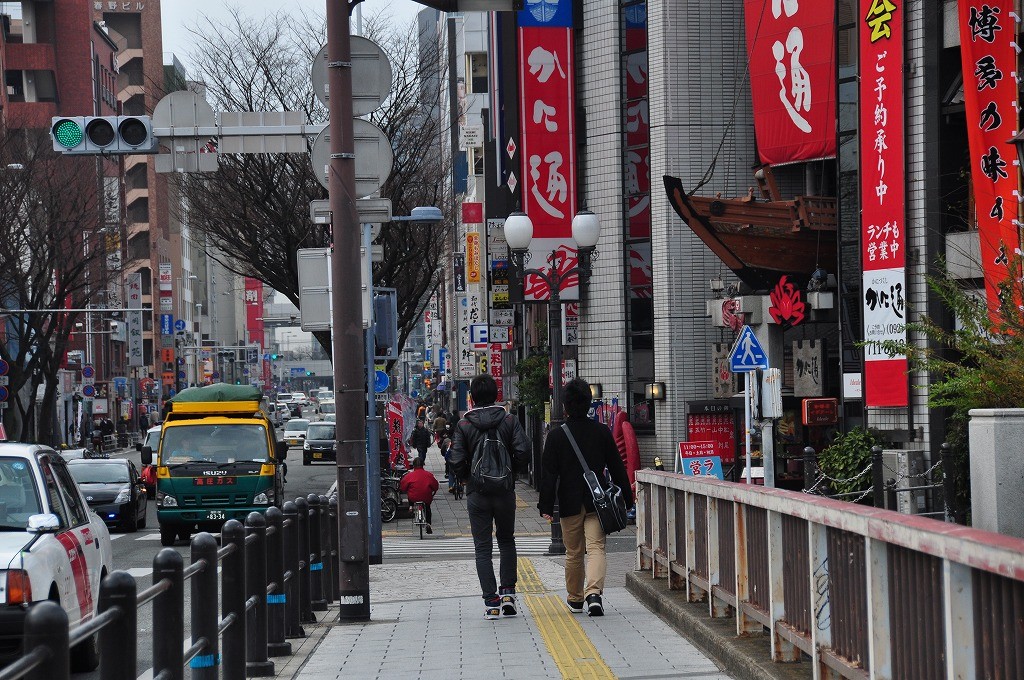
(305, 610)
(169, 616)
(948, 482)
(118, 639)
(232, 599)
(810, 465)
(293, 627)
(276, 599)
(46, 630)
(877, 477)
(316, 558)
(204, 616)
(332, 514)
(557, 547)
(256, 663)
(326, 548)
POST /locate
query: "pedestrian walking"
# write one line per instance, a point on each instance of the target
(488, 447)
(419, 439)
(439, 425)
(563, 479)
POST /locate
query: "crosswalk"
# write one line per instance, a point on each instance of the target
(431, 546)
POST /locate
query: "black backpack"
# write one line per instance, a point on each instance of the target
(491, 469)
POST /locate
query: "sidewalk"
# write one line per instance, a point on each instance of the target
(427, 616)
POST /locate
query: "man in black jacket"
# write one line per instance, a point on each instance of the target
(420, 440)
(491, 511)
(563, 476)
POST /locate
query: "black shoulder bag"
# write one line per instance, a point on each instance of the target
(608, 503)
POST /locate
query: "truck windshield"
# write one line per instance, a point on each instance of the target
(213, 444)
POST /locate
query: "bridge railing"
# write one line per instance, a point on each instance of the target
(248, 596)
(859, 592)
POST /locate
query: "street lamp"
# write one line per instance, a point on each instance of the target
(586, 231)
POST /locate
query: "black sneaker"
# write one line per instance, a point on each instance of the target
(429, 530)
(508, 604)
(492, 609)
(594, 606)
(575, 607)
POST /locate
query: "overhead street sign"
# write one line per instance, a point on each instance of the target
(371, 76)
(373, 152)
(747, 354)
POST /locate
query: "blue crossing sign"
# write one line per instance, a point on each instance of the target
(747, 353)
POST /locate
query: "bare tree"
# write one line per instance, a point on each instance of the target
(254, 209)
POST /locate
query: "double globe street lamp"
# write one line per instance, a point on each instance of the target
(586, 231)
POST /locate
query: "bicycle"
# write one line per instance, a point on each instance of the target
(419, 517)
(460, 490)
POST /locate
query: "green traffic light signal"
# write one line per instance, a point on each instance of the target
(273, 357)
(68, 133)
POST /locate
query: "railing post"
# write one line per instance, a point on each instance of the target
(948, 485)
(877, 477)
(256, 663)
(118, 640)
(316, 559)
(46, 626)
(335, 547)
(204, 609)
(293, 627)
(327, 546)
(810, 465)
(276, 646)
(169, 616)
(305, 610)
(232, 599)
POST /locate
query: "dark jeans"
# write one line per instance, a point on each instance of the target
(422, 455)
(497, 513)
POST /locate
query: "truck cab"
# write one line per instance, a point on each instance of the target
(218, 459)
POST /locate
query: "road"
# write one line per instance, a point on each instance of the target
(134, 552)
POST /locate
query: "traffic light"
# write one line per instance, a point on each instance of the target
(310, 374)
(385, 323)
(273, 357)
(84, 135)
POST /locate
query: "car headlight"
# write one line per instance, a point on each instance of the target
(123, 496)
(166, 500)
(265, 498)
(305, 446)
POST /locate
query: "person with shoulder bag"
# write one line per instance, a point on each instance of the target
(580, 446)
(489, 447)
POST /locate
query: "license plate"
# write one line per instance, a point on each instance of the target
(318, 455)
(293, 441)
(215, 514)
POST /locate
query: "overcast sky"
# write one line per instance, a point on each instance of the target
(177, 15)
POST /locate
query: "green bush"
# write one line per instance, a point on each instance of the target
(533, 383)
(846, 457)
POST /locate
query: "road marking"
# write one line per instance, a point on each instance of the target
(139, 572)
(155, 536)
(570, 648)
(114, 537)
(529, 580)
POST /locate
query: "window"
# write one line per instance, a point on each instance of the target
(476, 67)
(77, 513)
(53, 497)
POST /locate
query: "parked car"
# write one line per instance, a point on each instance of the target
(53, 547)
(79, 453)
(319, 444)
(114, 491)
(295, 431)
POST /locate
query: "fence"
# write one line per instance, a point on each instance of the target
(276, 570)
(861, 592)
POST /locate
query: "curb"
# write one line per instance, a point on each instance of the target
(288, 667)
(744, 658)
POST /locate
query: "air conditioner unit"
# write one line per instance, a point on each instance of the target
(900, 469)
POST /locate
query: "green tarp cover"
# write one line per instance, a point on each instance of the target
(219, 392)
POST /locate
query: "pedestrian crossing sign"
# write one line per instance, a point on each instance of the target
(747, 354)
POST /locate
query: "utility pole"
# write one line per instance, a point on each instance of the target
(346, 327)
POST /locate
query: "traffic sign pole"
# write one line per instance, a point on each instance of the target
(746, 420)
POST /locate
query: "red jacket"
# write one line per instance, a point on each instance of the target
(419, 485)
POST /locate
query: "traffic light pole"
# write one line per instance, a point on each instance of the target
(347, 327)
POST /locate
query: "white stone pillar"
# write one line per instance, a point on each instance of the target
(997, 470)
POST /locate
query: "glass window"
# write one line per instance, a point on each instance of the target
(320, 431)
(476, 66)
(77, 514)
(214, 444)
(18, 497)
(100, 473)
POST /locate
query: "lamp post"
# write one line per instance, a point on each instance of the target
(586, 230)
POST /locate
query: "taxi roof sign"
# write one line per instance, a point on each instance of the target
(747, 354)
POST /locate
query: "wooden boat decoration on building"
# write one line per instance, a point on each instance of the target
(762, 239)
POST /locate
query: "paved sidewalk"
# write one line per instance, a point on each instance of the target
(427, 618)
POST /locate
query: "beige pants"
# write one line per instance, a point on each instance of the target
(581, 532)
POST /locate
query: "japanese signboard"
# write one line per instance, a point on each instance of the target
(473, 257)
(459, 272)
(547, 119)
(636, 136)
(254, 311)
(465, 362)
(883, 176)
(808, 368)
(134, 292)
(987, 33)
(700, 459)
(820, 412)
(791, 46)
(714, 425)
(166, 287)
(473, 213)
(571, 323)
(497, 371)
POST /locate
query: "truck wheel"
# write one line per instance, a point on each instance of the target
(167, 535)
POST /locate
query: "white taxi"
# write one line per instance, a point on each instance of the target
(51, 547)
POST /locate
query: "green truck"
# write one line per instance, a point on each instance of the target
(218, 460)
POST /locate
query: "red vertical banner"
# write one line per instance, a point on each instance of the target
(987, 51)
(882, 200)
(254, 325)
(792, 78)
(547, 123)
(497, 370)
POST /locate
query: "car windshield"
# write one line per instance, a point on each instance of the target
(296, 425)
(99, 473)
(18, 497)
(214, 444)
(153, 440)
(320, 431)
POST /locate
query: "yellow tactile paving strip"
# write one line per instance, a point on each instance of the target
(570, 648)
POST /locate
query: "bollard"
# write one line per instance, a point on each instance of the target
(169, 616)
(256, 663)
(877, 477)
(293, 627)
(326, 546)
(118, 639)
(232, 599)
(948, 483)
(305, 610)
(316, 560)
(332, 514)
(46, 630)
(810, 463)
(557, 546)
(276, 646)
(205, 617)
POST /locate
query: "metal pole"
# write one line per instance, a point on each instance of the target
(746, 422)
(347, 332)
(169, 616)
(329, 575)
(232, 601)
(557, 546)
(948, 486)
(276, 645)
(809, 464)
(375, 540)
(205, 665)
(877, 477)
(316, 555)
(46, 629)
(118, 640)
(293, 627)
(302, 515)
(257, 665)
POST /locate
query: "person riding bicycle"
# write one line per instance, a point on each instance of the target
(420, 485)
